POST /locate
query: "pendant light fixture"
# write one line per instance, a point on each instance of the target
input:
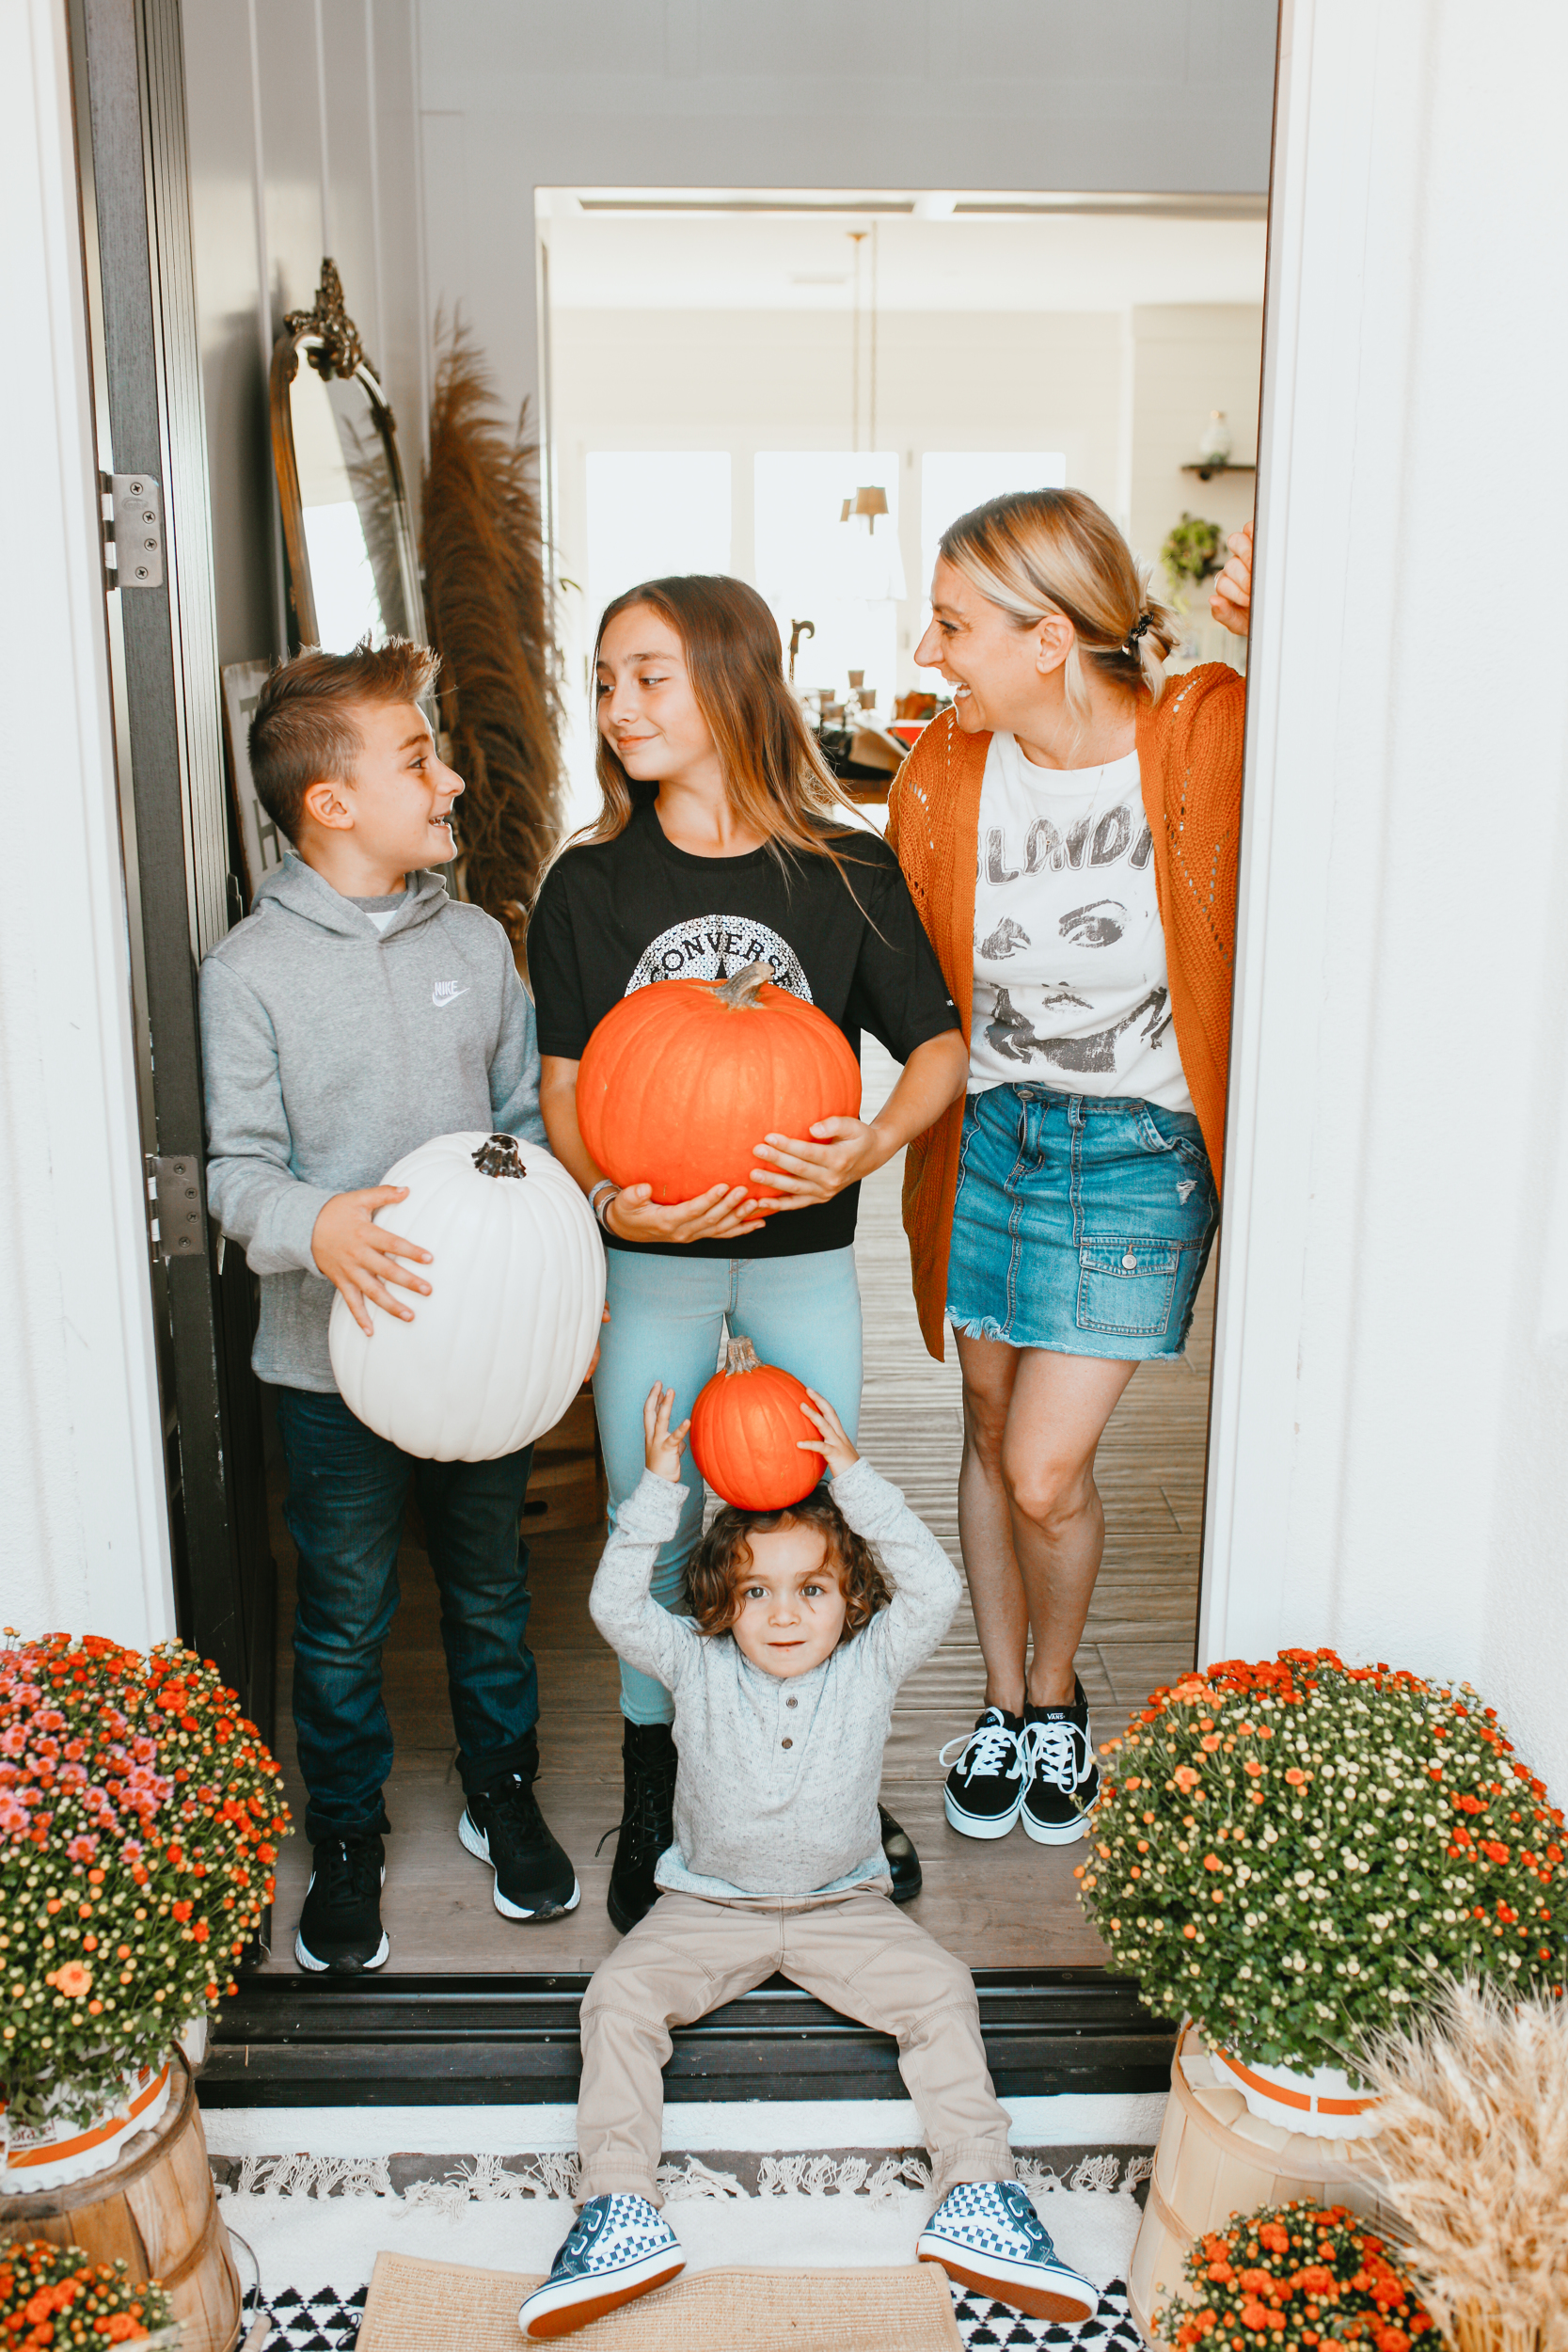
(870, 498)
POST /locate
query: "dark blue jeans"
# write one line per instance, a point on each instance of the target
(347, 1489)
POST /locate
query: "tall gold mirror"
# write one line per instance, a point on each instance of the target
(353, 564)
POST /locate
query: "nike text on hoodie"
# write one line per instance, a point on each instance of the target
(330, 1048)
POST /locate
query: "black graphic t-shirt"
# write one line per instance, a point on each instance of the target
(619, 916)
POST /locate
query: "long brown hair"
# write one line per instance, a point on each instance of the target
(719, 1564)
(1037, 550)
(774, 772)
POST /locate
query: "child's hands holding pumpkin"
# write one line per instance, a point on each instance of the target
(833, 1444)
(362, 1257)
(662, 1444)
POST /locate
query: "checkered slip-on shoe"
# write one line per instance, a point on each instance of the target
(987, 2234)
(618, 2248)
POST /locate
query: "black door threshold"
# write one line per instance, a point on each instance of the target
(434, 2040)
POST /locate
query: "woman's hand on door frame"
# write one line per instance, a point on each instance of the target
(1231, 602)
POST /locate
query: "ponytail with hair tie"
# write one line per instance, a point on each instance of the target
(1139, 629)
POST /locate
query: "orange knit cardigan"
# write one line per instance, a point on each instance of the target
(1190, 767)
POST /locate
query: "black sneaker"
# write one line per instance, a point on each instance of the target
(985, 1788)
(339, 1930)
(647, 1823)
(1061, 1777)
(504, 1827)
(902, 1860)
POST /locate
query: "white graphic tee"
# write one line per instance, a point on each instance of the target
(1069, 954)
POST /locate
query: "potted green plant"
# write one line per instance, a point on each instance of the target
(140, 1820)
(1300, 1854)
(1194, 551)
(50, 2296)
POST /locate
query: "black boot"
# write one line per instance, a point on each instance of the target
(902, 1860)
(648, 1821)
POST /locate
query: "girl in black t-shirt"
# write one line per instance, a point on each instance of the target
(720, 842)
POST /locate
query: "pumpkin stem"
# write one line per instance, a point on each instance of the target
(740, 1355)
(499, 1155)
(739, 992)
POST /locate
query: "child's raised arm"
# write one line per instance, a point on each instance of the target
(925, 1584)
(619, 1603)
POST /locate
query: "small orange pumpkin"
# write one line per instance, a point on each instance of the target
(745, 1428)
(683, 1080)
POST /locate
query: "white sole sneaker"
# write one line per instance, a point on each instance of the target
(559, 2310)
(306, 1959)
(1039, 2290)
(475, 1842)
(979, 1825)
(1056, 1833)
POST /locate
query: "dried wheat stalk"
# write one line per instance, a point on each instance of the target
(485, 585)
(1474, 2145)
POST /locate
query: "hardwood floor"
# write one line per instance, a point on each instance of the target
(1010, 1904)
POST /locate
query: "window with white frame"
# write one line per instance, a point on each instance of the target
(845, 578)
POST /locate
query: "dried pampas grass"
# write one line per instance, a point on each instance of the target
(1474, 2144)
(484, 586)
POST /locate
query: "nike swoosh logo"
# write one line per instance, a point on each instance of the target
(444, 993)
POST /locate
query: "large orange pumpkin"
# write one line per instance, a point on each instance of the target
(681, 1080)
(746, 1430)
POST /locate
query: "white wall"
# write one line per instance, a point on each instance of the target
(302, 125)
(985, 94)
(1390, 1473)
(83, 1543)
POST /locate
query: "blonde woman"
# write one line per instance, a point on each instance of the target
(1068, 834)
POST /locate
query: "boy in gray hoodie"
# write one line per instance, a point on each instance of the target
(354, 1013)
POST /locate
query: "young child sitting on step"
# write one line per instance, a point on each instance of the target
(804, 1624)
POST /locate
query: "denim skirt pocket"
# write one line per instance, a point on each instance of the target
(1127, 1287)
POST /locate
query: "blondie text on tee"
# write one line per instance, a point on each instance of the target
(1069, 954)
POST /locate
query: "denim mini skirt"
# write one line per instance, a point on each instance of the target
(1083, 1223)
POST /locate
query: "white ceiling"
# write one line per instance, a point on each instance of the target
(630, 258)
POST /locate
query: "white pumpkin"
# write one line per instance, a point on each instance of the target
(498, 1351)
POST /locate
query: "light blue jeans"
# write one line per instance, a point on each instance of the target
(667, 1318)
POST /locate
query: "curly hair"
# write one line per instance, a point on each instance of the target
(719, 1563)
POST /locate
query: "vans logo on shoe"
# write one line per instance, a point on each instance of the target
(445, 992)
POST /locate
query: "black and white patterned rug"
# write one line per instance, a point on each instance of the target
(298, 2219)
(319, 2320)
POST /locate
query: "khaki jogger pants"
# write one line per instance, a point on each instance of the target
(853, 1950)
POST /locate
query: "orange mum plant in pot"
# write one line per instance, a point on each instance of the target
(1299, 1856)
(140, 1820)
(1301, 1853)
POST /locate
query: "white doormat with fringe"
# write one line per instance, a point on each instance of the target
(315, 2224)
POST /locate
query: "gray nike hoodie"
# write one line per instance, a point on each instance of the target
(329, 1049)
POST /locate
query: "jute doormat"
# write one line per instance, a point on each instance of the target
(416, 2306)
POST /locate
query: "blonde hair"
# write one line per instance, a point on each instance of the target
(1039, 551)
(776, 777)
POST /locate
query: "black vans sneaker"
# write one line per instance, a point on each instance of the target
(339, 1930)
(649, 1762)
(504, 1827)
(985, 1788)
(1061, 1777)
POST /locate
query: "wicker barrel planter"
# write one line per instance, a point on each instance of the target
(1216, 2158)
(156, 2209)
